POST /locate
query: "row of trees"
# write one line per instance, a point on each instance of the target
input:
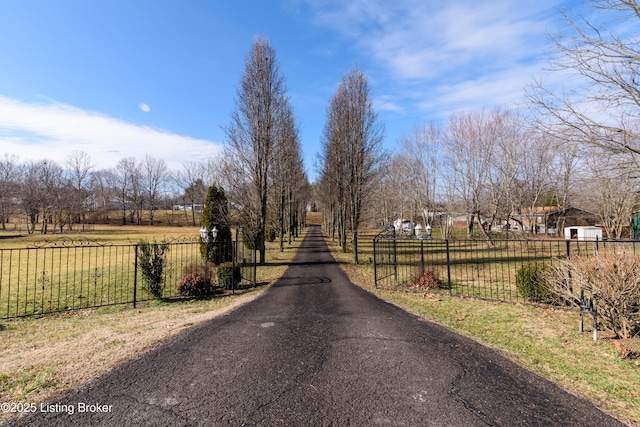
(263, 167)
(261, 172)
(575, 146)
(493, 166)
(350, 159)
(54, 195)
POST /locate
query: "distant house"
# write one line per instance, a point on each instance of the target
(549, 219)
(187, 207)
(570, 217)
(116, 204)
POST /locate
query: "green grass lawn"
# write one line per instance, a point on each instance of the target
(41, 274)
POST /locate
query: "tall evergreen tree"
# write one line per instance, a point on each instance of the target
(216, 214)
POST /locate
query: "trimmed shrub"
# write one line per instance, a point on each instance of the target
(194, 285)
(151, 261)
(532, 283)
(228, 275)
(215, 213)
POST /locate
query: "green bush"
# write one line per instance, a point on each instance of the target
(228, 275)
(151, 261)
(216, 214)
(532, 284)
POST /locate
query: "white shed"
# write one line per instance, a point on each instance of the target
(583, 233)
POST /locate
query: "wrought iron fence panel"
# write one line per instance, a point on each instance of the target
(63, 275)
(55, 278)
(473, 268)
(245, 258)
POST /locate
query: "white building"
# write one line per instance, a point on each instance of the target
(583, 233)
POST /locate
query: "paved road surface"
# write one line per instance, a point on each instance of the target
(317, 350)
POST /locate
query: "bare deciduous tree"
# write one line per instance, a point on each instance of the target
(613, 193)
(154, 176)
(469, 152)
(351, 152)
(79, 171)
(252, 132)
(190, 185)
(601, 55)
(41, 194)
(10, 171)
(288, 179)
(126, 172)
(534, 174)
(421, 149)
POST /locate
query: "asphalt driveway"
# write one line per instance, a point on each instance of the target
(316, 350)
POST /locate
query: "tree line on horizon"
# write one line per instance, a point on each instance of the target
(576, 145)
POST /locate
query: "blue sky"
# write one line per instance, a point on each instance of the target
(121, 78)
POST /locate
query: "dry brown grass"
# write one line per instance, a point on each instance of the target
(115, 234)
(543, 339)
(314, 218)
(41, 358)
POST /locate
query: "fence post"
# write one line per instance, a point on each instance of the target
(234, 252)
(255, 268)
(395, 257)
(421, 256)
(375, 265)
(135, 277)
(581, 323)
(595, 321)
(448, 268)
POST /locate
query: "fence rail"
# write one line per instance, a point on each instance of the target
(472, 268)
(60, 275)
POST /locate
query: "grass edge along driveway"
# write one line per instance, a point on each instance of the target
(544, 340)
(43, 357)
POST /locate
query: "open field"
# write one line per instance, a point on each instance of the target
(115, 234)
(472, 268)
(17, 225)
(41, 357)
(543, 339)
(95, 269)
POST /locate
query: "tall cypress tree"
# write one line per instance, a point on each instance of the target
(216, 214)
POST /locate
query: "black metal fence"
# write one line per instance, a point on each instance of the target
(472, 268)
(60, 275)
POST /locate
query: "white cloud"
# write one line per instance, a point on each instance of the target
(385, 104)
(505, 88)
(468, 51)
(52, 131)
(456, 39)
